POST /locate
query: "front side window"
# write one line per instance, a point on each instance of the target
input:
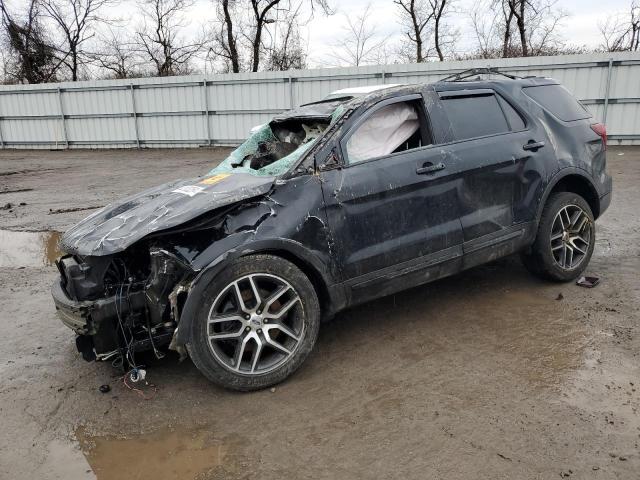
(475, 116)
(391, 129)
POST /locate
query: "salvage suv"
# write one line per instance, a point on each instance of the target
(329, 205)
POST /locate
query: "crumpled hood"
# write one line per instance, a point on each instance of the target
(121, 224)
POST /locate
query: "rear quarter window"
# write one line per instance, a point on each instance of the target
(558, 101)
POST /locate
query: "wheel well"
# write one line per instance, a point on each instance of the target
(581, 186)
(312, 274)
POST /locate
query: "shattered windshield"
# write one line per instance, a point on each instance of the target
(273, 148)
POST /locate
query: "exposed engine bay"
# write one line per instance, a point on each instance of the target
(128, 303)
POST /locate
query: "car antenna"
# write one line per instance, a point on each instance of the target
(465, 74)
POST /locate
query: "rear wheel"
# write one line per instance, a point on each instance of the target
(257, 323)
(565, 239)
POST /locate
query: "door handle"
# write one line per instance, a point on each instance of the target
(532, 145)
(429, 167)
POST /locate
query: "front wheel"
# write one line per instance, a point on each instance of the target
(257, 323)
(565, 239)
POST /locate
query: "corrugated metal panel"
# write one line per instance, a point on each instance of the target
(99, 130)
(175, 127)
(96, 102)
(176, 111)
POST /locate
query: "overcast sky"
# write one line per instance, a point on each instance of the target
(579, 28)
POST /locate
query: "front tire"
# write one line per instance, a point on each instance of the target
(565, 239)
(257, 322)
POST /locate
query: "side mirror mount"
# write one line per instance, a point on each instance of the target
(331, 161)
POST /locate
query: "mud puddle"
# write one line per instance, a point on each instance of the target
(28, 249)
(165, 454)
(532, 332)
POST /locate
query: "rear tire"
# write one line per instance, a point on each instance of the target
(257, 323)
(565, 239)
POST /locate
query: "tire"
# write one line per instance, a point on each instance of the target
(237, 342)
(552, 257)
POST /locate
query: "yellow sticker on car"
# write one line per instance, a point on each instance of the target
(215, 178)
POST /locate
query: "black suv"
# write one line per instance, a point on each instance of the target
(330, 205)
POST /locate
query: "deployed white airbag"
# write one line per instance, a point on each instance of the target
(383, 132)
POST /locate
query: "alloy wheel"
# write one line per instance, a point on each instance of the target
(255, 324)
(571, 236)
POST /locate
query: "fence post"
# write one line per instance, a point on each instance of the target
(606, 93)
(205, 99)
(135, 115)
(290, 92)
(64, 123)
(1, 137)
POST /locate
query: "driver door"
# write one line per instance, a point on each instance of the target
(391, 202)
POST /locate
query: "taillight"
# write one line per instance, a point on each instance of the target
(601, 131)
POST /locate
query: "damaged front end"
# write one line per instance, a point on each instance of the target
(121, 304)
(131, 266)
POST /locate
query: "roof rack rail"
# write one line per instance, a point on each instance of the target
(465, 74)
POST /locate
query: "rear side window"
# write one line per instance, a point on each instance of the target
(513, 117)
(558, 101)
(475, 116)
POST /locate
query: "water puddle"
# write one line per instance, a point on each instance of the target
(28, 249)
(167, 454)
(64, 460)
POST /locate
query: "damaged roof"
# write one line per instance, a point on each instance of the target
(320, 111)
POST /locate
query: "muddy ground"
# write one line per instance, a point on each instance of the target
(487, 375)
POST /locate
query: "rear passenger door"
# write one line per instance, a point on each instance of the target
(487, 135)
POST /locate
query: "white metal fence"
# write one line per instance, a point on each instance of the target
(221, 109)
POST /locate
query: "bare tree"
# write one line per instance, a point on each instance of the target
(425, 23)
(116, 54)
(260, 9)
(622, 32)
(492, 23)
(507, 25)
(537, 23)
(287, 52)
(31, 57)
(485, 28)
(227, 39)
(76, 20)
(443, 38)
(159, 38)
(415, 17)
(513, 28)
(246, 30)
(360, 43)
(518, 10)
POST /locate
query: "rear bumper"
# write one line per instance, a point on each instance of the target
(604, 189)
(605, 201)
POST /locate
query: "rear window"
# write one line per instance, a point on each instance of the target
(475, 116)
(558, 101)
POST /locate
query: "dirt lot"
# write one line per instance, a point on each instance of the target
(491, 374)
